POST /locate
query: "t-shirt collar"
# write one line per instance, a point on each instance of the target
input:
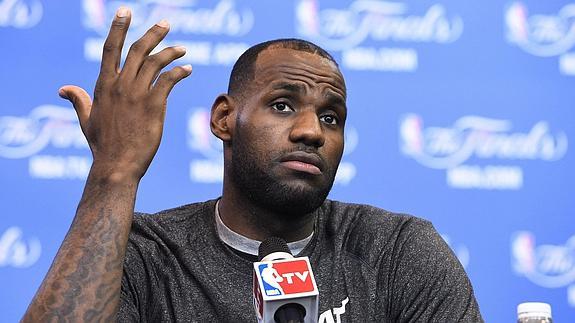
(247, 245)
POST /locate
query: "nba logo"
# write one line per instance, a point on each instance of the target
(285, 277)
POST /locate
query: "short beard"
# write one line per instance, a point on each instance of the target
(256, 184)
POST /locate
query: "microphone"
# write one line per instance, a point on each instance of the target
(284, 287)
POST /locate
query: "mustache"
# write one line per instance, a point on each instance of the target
(302, 148)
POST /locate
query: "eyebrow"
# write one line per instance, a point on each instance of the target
(291, 87)
(335, 99)
(331, 97)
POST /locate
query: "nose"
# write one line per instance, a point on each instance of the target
(307, 129)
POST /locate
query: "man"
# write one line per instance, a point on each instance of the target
(282, 126)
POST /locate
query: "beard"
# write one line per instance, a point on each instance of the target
(252, 172)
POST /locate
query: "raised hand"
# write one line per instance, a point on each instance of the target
(124, 123)
(123, 126)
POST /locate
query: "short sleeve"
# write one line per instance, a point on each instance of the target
(128, 311)
(131, 293)
(429, 283)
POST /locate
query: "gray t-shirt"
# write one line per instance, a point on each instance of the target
(370, 265)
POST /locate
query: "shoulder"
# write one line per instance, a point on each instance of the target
(363, 214)
(177, 218)
(415, 268)
(370, 232)
(154, 238)
(370, 222)
(173, 226)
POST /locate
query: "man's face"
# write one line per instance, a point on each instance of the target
(288, 138)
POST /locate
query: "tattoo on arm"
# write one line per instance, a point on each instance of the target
(84, 281)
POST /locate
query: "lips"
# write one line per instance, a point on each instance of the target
(303, 162)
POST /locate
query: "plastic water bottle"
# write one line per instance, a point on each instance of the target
(533, 312)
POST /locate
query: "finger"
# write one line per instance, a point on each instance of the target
(155, 63)
(167, 80)
(112, 51)
(80, 100)
(142, 47)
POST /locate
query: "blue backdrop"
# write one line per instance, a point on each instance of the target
(460, 112)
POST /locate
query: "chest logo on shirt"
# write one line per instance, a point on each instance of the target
(334, 315)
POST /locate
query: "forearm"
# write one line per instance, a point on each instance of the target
(83, 283)
(123, 126)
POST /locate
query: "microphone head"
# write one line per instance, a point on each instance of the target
(271, 245)
(284, 289)
(290, 312)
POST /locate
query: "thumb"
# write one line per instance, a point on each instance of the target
(80, 100)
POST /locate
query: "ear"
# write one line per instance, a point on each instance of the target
(222, 119)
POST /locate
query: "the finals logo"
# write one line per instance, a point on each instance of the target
(464, 148)
(189, 20)
(546, 265)
(543, 35)
(50, 139)
(361, 29)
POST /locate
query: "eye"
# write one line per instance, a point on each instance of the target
(329, 119)
(282, 107)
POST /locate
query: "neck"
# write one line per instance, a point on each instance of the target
(249, 219)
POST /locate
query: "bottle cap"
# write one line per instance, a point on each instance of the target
(533, 309)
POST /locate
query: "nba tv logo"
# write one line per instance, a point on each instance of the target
(285, 278)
